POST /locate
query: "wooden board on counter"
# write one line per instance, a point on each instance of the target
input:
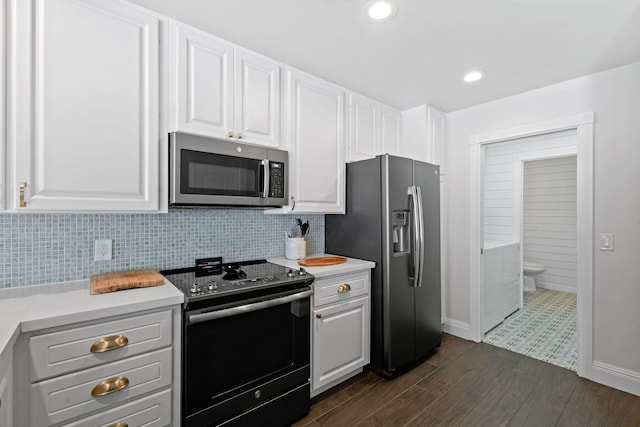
(322, 261)
(119, 280)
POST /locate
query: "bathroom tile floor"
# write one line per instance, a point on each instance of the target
(545, 328)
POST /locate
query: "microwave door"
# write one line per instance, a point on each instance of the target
(218, 179)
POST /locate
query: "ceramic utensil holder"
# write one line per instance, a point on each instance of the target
(296, 248)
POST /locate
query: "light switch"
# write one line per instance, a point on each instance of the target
(606, 241)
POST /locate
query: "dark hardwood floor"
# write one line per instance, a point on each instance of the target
(469, 384)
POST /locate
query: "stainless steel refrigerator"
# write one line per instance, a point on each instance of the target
(393, 218)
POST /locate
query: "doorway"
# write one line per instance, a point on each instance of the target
(582, 127)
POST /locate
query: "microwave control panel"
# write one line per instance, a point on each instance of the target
(276, 180)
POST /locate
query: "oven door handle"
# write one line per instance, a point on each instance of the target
(233, 311)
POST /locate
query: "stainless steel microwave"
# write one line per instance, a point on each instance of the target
(211, 172)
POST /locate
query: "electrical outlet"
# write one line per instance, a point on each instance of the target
(102, 250)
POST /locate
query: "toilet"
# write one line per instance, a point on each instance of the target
(530, 270)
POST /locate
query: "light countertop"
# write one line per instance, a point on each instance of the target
(351, 265)
(30, 308)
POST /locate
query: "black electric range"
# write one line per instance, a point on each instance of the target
(245, 344)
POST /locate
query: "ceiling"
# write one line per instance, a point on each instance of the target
(420, 56)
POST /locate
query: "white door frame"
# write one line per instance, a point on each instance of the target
(583, 124)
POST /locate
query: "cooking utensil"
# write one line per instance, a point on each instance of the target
(304, 228)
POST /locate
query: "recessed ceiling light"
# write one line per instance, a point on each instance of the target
(473, 76)
(381, 10)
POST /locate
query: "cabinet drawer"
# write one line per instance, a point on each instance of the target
(333, 289)
(61, 352)
(63, 398)
(151, 411)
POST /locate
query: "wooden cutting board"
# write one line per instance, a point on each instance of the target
(322, 261)
(116, 281)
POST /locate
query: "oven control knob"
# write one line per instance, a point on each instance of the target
(301, 272)
(195, 289)
(291, 273)
(212, 286)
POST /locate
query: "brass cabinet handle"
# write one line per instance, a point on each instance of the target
(230, 134)
(119, 425)
(345, 287)
(109, 343)
(239, 136)
(23, 185)
(109, 386)
(318, 315)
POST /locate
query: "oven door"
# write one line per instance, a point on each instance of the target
(241, 357)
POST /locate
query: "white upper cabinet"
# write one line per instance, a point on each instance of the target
(390, 130)
(424, 134)
(203, 82)
(364, 132)
(222, 91)
(83, 124)
(257, 99)
(315, 140)
(374, 129)
(3, 101)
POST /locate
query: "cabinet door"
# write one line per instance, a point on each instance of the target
(3, 103)
(85, 128)
(340, 340)
(257, 99)
(6, 401)
(390, 130)
(202, 92)
(315, 115)
(363, 128)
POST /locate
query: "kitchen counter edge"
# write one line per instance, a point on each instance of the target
(31, 308)
(351, 265)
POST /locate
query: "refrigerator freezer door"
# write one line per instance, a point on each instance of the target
(397, 285)
(427, 296)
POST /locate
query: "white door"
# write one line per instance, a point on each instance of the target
(390, 130)
(202, 96)
(363, 128)
(86, 106)
(257, 99)
(315, 115)
(340, 340)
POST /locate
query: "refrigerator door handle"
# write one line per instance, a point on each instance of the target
(411, 191)
(421, 236)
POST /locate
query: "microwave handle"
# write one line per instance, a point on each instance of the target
(265, 178)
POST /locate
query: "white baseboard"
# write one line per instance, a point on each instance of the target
(457, 328)
(557, 287)
(616, 377)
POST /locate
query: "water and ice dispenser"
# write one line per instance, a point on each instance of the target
(400, 224)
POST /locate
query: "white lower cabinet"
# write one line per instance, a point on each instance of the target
(6, 401)
(119, 371)
(341, 325)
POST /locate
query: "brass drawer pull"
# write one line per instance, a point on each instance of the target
(110, 386)
(230, 134)
(318, 316)
(345, 287)
(119, 425)
(23, 185)
(109, 343)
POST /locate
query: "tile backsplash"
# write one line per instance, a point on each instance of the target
(46, 248)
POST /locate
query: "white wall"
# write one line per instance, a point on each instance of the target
(502, 190)
(614, 96)
(550, 220)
